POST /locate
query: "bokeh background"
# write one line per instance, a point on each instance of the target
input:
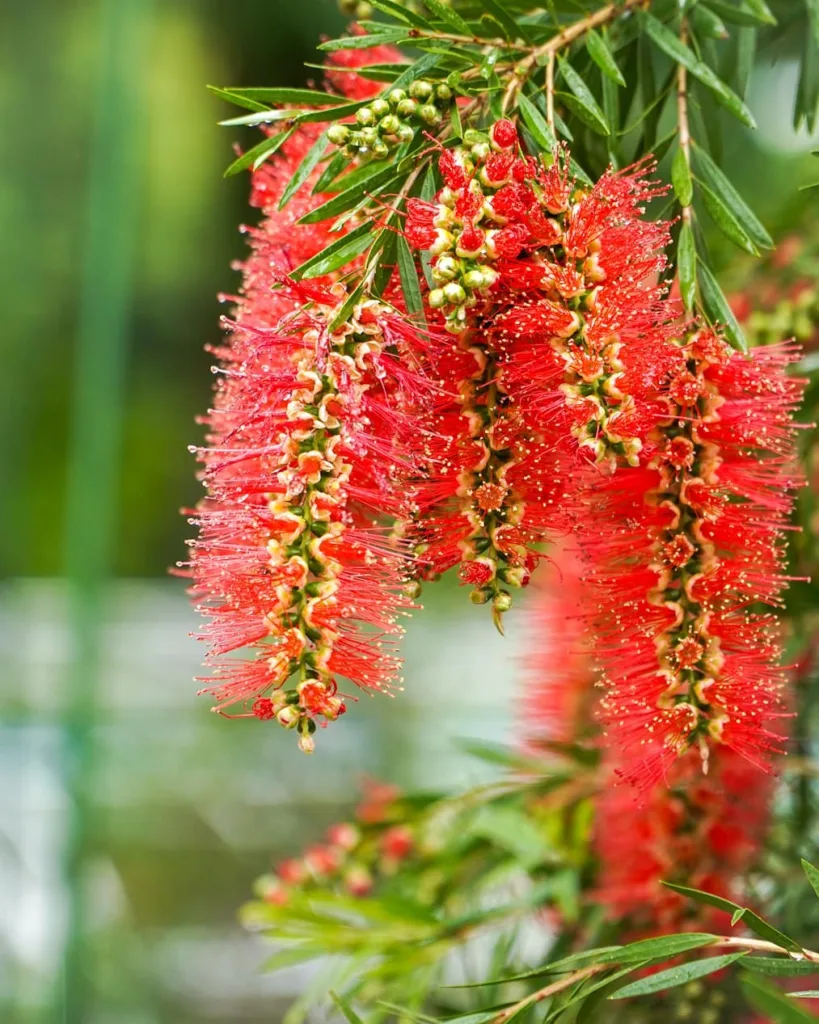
(132, 822)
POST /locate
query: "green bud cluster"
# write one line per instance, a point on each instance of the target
(390, 120)
(356, 8)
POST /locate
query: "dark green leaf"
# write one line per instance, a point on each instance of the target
(674, 976)
(236, 98)
(387, 37)
(537, 124)
(580, 110)
(687, 266)
(751, 224)
(331, 114)
(762, 11)
(663, 947)
(343, 315)
(347, 200)
(336, 255)
(262, 117)
(335, 165)
(812, 875)
(681, 178)
(603, 985)
(258, 154)
(513, 830)
(603, 57)
(676, 49)
(449, 16)
(416, 70)
(402, 13)
(772, 1001)
(594, 116)
(782, 967)
(304, 170)
(726, 221)
(409, 281)
(275, 96)
(455, 121)
(708, 24)
(359, 175)
(752, 920)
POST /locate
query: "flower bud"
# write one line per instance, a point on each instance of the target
(380, 107)
(338, 134)
(307, 744)
(502, 602)
(407, 107)
(443, 242)
(443, 92)
(454, 293)
(395, 96)
(406, 133)
(412, 590)
(445, 269)
(481, 150)
(480, 596)
(288, 717)
(473, 279)
(437, 298)
(365, 115)
(380, 149)
(390, 124)
(421, 89)
(429, 114)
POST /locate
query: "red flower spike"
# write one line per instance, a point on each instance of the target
(679, 549)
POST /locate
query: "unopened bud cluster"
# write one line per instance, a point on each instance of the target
(388, 121)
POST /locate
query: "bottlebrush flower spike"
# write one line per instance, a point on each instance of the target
(699, 831)
(550, 289)
(682, 549)
(308, 448)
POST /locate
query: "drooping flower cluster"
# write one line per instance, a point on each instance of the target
(683, 551)
(550, 291)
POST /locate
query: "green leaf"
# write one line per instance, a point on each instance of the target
(335, 165)
(812, 874)
(337, 254)
(726, 221)
(276, 95)
(677, 50)
(674, 976)
(347, 307)
(450, 17)
(681, 178)
(359, 175)
(330, 114)
(499, 753)
(751, 224)
(387, 37)
(537, 124)
(708, 24)
(409, 280)
(402, 13)
(752, 920)
(687, 266)
(347, 200)
(258, 154)
(585, 101)
(771, 1001)
(762, 11)
(304, 170)
(455, 121)
(346, 1009)
(663, 947)
(741, 15)
(512, 29)
(262, 117)
(236, 98)
(603, 57)
(514, 831)
(602, 985)
(416, 70)
(291, 955)
(716, 306)
(782, 967)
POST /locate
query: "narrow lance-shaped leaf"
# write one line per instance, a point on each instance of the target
(721, 185)
(449, 16)
(754, 921)
(603, 57)
(812, 875)
(391, 35)
(716, 306)
(726, 221)
(278, 95)
(675, 48)
(409, 280)
(512, 29)
(687, 266)
(675, 976)
(771, 1001)
(336, 255)
(585, 101)
(681, 178)
(256, 156)
(347, 199)
(304, 170)
(537, 124)
(781, 967)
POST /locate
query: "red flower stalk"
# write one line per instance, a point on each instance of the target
(551, 291)
(703, 831)
(682, 549)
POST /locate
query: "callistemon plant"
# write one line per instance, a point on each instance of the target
(478, 330)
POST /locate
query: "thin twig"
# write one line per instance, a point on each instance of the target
(550, 92)
(549, 990)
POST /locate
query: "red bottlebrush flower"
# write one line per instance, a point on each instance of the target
(558, 673)
(681, 549)
(563, 349)
(702, 831)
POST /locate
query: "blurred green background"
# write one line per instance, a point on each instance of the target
(132, 822)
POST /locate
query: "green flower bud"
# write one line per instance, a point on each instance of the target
(365, 115)
(443, 92)
(437, 298)
(407, 107)
(289, 716)
(421, 89)
(363, 9)
(412, 590)
(368, 136)
(503, 602)
(454, 293)
(480, 596)
(406, 133)
(472, 135)
(481, 150)
(380, 107)
(389, 125)
(395, 96)
(445, 269)
(429, 114)
(380, 149)
(338, 134)
(473, 279)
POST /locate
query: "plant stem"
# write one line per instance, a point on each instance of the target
(565, 38)
(550, 92)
